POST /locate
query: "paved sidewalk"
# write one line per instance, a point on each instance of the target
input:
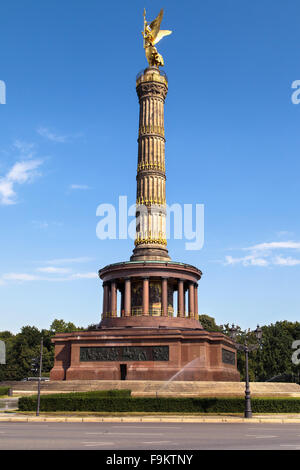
(267, 418)
(8, 403)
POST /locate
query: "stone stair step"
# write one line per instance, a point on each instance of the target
(174, 388)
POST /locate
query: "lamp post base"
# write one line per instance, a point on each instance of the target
(248, 410)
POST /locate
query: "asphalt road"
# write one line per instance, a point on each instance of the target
(148, 436)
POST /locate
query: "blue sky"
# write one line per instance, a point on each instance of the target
(68, 143)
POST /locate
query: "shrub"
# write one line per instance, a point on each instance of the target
(4, 391)
(93, 401)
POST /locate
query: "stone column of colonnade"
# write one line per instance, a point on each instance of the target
(150, 243)
(110, 298)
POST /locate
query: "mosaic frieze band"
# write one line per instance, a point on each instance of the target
(124, 353)
(228, 357)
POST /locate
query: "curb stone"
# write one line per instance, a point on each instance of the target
(164, 419)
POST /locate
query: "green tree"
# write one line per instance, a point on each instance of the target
(24, 346)
(209, 323)
(93, 326)
(60, 326)
(274, 356)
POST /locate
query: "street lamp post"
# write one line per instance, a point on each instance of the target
(246, 348)
(40, 376)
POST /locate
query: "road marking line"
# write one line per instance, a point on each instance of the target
(268, 429)
(260, 437)
(127, 433)
(265, 429)
(290, 445)
(94, 444)
(157, 442)
(146, 427)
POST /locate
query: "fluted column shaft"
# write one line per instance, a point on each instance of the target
(113, 299)
(196, 301)
(180, 299)
(105, 308)
(146, 296)
(164, 297)
(122, 301)
(127, 302)
(152, 88)
(191, 300)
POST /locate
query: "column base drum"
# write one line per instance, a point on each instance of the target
(152, 343)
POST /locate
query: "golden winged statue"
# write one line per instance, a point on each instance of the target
(152, 35)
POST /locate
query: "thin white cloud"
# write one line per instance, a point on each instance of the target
(289, 261)
(284, 233)
(7, 194)
(250, 260)
(259, 262)
(21, 172)
(20, 277)
(25, 277)
(44, 225)
(24, 147)
(275, 246)
(53, 270)
(262, 255)
(40, 225)
(83, 259)
(54, 137)
(79, 186)
(91, 275)
(45, 132)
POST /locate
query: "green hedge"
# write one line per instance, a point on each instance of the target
(4, 391)
(88, 402)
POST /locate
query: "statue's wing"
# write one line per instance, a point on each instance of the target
(162, 33)
(155, 24)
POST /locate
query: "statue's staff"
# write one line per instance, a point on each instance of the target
(145, 25)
